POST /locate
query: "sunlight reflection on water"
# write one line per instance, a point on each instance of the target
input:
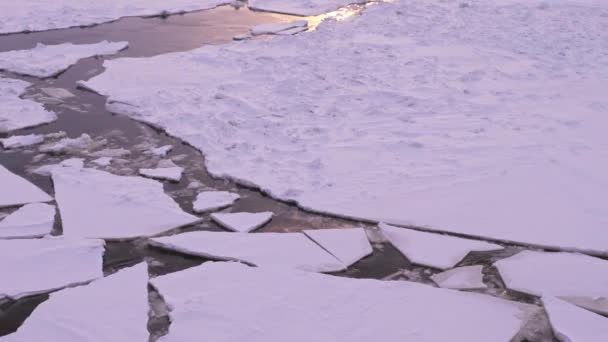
(341, 14)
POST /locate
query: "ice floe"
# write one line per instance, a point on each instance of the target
(577, 278)
(277, 28)
(208, 201)
(173, 174)
(47, 170)
(58, 93)
(30, 221)
(348, 245)
(18, 113)
(97, 204)
(160, 151)
(103, 161)
(461, 278)
(16, 190)
(434, 250)
(114, 308)
(404, 115)
(300, 7)
(18, 141)
(276, 250)
(242, 222)
(67, 144)
(222, 301)
(573, 324)
(50, 60)
(32, 266)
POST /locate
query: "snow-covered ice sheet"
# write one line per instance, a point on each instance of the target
(17, 113)
(31, 266)
(430, 249)
(484, 120)
(207, 201)
(40, 15)
(16, 190)
(47, 170)
(348, 245)
(114, 308)
(50, 60)
(275, 250)
(275, 28)
(18, 141)
(573, 324)
(461, 278)
(30, 221)
(577, 278)
(301, 7)
(173, 174)
(232, 302)
(242, 222)
(98, 204)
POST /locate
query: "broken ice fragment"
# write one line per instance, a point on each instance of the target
(242, 222)
(173, 174)
(16, 190)
(573, 324)
(461, 278)
(112, 153)
(82, 143)
(47, 170)
(160, 151)
(18, 113)
(208, 201)
(301, 7)
(103, 161)
(58, 93)
(30, 221)
(348, 245)
(276, 28)
(18, 141)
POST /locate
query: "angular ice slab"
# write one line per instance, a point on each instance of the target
(300, 7)
(573, 324)
(16, 190)
(348, 245)
(97, 204)
(276, 28)
(430, 249)
(277, 250)
(18, 113)
(18, 141)
(222, 301)
(50, 60)
(214, 200)
(577, 278)
(461, 278)
(242, 222)
(30, 221)
(114, 309)
(32, 266)
(173, 174)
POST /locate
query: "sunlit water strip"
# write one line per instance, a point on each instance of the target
(341, 14)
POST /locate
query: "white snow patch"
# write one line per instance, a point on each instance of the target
(16, 190)
(18, 141)
(103, 161)
(160, 151)
(301, 7)
(30, 221)
(348, 245)
(461, 278)
(208, 201)
(573, 324)
(18, 113)
(242, 222)
(276, 28)
(112, 152)
(173, 174)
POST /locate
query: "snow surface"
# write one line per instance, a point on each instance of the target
(173, 174)
(32, 266)
(300, 7)
(465, 119)
(30, 221)
(348, 245)
(208, 201)
(242, 222)
(18, 141)
(16, 190)
(275, 28)
(274, 250)
(50, 60)
(232, 302)
(573, 324)
(434, 250)
(577, 278)
(114, 308)
(40, 15)
(461, 278)
(98, 204)
(17, 113)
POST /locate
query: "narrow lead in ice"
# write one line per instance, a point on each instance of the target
(30, 221)
(208, 201)
(18, 113)
(98, 204)
(114, 308)
(276, 28)
(301, 7)
(32, 266)
(173, 174)
(242, 222)
(18, 141)
(349, 245)
(461, 278)
(434, 250)
(573, 324)
(16, 190)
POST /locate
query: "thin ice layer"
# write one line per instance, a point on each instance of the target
(434, 250)
(275, 250)
(461, 278)
(349, 245)
(17, 190)
(114, 308)
(50, 60)
(300, 7)
(573, 324)
(98, 204)
(30, 221)
(18, 113)
(276, 28)
(577, 278)
(18, 141)
(242, 222)
(207, 201)
(32, 266)
(223, 302)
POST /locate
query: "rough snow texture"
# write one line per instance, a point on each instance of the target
(461, 278)
(573, 324)
(67, 144)
(98, 204)
(482, 119)
(214, 200)
(114, 308)
(50, 60)
(434, 250)
(300, 7)
(577, 278)
(18, 141)
(348, 245)
(40, 15)
(242, 222)
(276, 28)
(173, 174)
(17, 113)
(224, 302)
(30, 221)
(16, 190)
(273, 250)
(31, 266)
